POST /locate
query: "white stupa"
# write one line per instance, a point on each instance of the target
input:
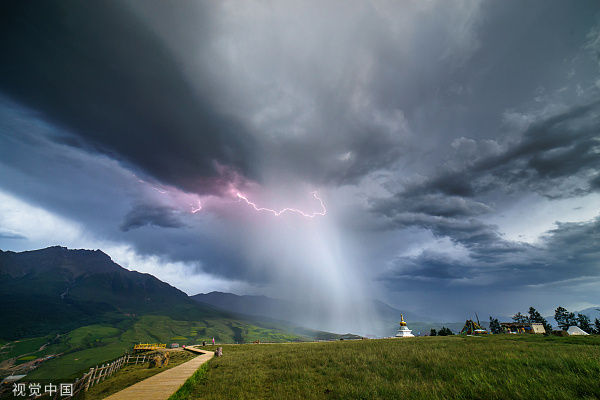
(404, 331)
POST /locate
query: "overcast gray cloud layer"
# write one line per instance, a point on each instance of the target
(454, 144)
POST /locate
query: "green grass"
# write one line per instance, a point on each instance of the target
(132, 374)
(85, 336)
(458, 367)
(96, 344)
(24, 346)
(74, 364)
(189, 387)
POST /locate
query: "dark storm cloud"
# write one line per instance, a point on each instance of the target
(96, 69)
(428, 267)
(201, 246)
(343, 157)
(574, 247)
(553, 148)
(555, 156)
(146, 214)
(563, 145)
(436, 205)
(469, 232)
(550, 154)
(570, 251)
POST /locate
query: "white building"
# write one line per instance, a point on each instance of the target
(403, 331)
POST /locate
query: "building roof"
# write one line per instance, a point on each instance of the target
(575, 330)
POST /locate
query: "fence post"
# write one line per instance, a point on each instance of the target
(99, 376)
(87, 383)
(96, 373)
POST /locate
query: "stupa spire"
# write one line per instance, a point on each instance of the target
(404, 331)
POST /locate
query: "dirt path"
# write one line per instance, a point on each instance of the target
(163, 385)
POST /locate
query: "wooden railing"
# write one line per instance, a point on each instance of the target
(100, 372)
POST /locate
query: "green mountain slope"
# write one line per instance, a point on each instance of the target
(57, 289)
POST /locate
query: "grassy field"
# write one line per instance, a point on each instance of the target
(24, 346)
(92, 345)
(458, 367)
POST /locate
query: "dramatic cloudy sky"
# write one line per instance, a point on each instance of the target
(454, 144)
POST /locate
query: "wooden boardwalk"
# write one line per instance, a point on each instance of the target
(163, 385)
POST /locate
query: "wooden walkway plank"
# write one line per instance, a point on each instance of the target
(164, 384)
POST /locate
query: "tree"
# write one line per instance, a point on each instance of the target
(535, 316)
(583, 322)
(560, 316)
(518, 317)
(571, 320)
(445, 332)
(495, 326)
(433, 332)
(597, 326)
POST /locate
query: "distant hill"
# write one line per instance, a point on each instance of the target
(297, 314)
(592, 312)
(251, 305)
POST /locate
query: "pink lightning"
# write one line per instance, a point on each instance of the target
(195, 210)
(278, 213)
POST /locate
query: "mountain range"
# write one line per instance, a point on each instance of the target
(58, 289)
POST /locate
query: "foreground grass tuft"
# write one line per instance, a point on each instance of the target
(495, 367)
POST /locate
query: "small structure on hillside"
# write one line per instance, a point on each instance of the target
(473, 328)
(522, 327)
(404, 331)
(174, 345)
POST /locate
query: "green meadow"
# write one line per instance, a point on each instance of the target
(92, 345)
(23, 347)
(456, 367)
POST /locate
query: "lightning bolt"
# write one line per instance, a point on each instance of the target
(174, 194)
(195, 210)
(278, 213)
